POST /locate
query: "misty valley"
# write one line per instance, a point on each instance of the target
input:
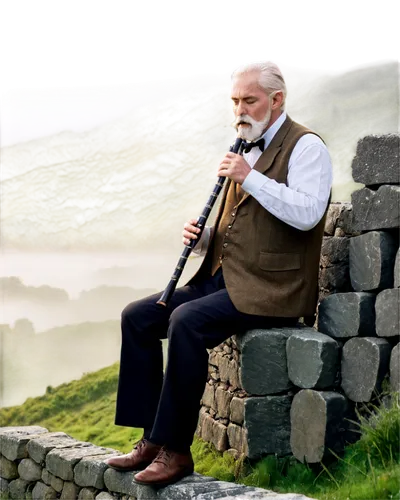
(47, 338)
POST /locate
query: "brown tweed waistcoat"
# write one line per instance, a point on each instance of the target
(270, 268)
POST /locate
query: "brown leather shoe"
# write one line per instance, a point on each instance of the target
(140, 457)
(167, 468)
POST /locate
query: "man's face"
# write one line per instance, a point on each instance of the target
(251, 106)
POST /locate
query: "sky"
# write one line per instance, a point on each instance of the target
(29, 114)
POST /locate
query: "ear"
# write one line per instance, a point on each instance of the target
(277, 99)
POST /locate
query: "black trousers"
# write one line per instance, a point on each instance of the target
(198, 317)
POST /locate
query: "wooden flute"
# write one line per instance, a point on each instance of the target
(168, 292)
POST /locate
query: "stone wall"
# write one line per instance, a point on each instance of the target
(290, 390)
(39, 465)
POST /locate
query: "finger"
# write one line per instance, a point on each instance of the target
(188, 234)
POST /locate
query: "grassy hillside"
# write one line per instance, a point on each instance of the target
(369, 470)
(133, 149)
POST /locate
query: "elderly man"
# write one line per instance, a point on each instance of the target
(260, 270)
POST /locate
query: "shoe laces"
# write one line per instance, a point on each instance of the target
(140, 444)
(163, 456)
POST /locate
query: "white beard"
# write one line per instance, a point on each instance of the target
(255, 130)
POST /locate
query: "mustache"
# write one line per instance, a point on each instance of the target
(243, 119)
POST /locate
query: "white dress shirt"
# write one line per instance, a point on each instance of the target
(303, 201)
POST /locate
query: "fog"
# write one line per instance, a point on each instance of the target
(56, 332)
(77, 272)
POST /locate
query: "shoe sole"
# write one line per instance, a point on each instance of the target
(160, 484)
(130, 469)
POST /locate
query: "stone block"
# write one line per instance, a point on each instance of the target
(17, 489)
(313, 359)
(377, 160)
(123, 482)
(316, 423)
(395, 368)
(223, 365)
(376, 209)
(365, 362)
(396, 283)
(40, 446)
(43, 492)
(237, 438)
(267, 421)
(208, 397)
(87, 494)
(219, 436)
(90, 470)
(103, 495)
(56, 483)
(387, 310)
(13, 440)
(233, 374)
(223, 399)
(8, 469)
(70, 491)
(351, 314)
(207, 428)
(29, 470)
(372, 257)
(61, 462)
(263, 363)
(4, 487)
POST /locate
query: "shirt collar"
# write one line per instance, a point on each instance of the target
(273, 129)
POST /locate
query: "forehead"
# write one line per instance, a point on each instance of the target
(246, 84)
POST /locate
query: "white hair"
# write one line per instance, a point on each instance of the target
(270, 79)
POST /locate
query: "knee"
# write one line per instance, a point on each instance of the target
(180, 315)
(129, 312)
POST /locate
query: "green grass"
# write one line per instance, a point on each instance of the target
(134, 182)
(368, 470)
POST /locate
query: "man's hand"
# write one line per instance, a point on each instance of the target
(190, 231)
(235, 167)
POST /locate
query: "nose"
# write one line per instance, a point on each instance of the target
(241, 108)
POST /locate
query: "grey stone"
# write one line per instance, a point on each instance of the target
(223, 365)
(316, 423)
(39, 447)
(43, 492)
(377, 160)
(263, 362)
(365, 362)
(57, 483)
(17, 489)
(387, 310)
(4, 486)
(376, 209)
(61, 462)
(46, 477)
(267, 420)
(372, 257)
(29, 470)
(13, 440)
(395, 368)
(87, 494)
(313, 359)
(8, 469)
(90, 470)
(350, 314)
(24, 430)
(123, 482)
(213, 490)
(70, 491)
(103, 495)
(396, 283)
